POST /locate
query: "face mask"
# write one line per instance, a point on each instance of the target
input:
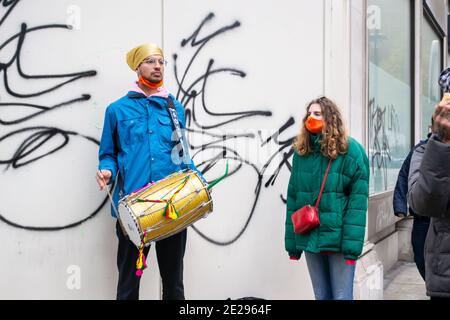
(149, 84)
(313, 125)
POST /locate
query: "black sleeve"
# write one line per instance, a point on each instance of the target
(430, 189)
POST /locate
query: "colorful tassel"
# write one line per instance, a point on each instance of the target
(141, 262)
(170, 211)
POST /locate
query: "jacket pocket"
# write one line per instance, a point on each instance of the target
(339, 216)
(131, 131)
(443, 255)
(166, 133)
(122, 173)
(434, 241)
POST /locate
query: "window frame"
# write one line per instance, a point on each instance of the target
(428, 17)
(412, 10)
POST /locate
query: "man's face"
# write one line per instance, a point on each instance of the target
(152, 68)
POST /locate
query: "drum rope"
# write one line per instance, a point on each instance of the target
(170, 211)
(196, 191)
(152, 193)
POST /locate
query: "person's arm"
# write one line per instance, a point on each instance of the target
(401, 188)
(354, 219)
(107, 153)
(414, 173)
(289, 237)
(429, 179)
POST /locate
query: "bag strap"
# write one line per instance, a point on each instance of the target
(323, 185)
(180, 137)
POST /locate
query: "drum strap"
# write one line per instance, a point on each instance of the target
(179, 133)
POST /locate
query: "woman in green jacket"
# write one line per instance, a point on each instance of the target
(332, 248)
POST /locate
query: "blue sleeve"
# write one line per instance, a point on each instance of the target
(107, 153)
(401, 188)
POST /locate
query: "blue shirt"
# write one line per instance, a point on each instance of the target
(137, 141)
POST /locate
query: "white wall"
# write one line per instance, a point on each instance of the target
(60, 189)
(279, 47)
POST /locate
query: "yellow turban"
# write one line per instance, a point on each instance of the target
(137, 55)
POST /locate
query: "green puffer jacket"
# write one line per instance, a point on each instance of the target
(343, 206)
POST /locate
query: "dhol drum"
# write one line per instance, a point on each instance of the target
(165, 207)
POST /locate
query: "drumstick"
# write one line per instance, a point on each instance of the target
(111, 199)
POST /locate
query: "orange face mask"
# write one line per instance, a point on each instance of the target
(313, 125)
(148, 84)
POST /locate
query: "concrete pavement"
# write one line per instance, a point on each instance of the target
(403, 282)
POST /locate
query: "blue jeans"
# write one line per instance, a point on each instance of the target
(331, 277)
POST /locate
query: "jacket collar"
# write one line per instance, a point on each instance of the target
(160, 101)
(315, 141)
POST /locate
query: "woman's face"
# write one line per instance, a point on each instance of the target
(315, 111)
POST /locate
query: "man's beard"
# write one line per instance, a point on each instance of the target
(153, 80)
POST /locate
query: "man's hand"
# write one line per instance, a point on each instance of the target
(103, 177)
(441, 118)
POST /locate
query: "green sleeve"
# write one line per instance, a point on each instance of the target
(289, 237)
(354, 219)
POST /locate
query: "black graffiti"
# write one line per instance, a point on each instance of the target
(39, 141)
(381, 153)
(393, 120)
(193, 93)
(382, 119)
(31, 148)
(28, 152)
(4, 67)
(9, 4)
(41, 109)
(188, 94)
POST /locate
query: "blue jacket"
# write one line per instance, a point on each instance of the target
(137, 142)
(401, 187)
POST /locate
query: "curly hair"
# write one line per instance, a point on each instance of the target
(334, 134)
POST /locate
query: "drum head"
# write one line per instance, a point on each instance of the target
(128, 222)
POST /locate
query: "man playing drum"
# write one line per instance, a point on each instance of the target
(137, 147)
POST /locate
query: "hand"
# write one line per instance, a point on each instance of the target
(442, 121)
(103, 177)
(400, 214)
(294, 258)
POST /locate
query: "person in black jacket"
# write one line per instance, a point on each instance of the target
(420, 223)
(429, 195)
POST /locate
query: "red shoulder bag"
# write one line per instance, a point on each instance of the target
(307, 218)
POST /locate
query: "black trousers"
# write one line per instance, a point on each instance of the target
(170, 254)
(418, 236)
